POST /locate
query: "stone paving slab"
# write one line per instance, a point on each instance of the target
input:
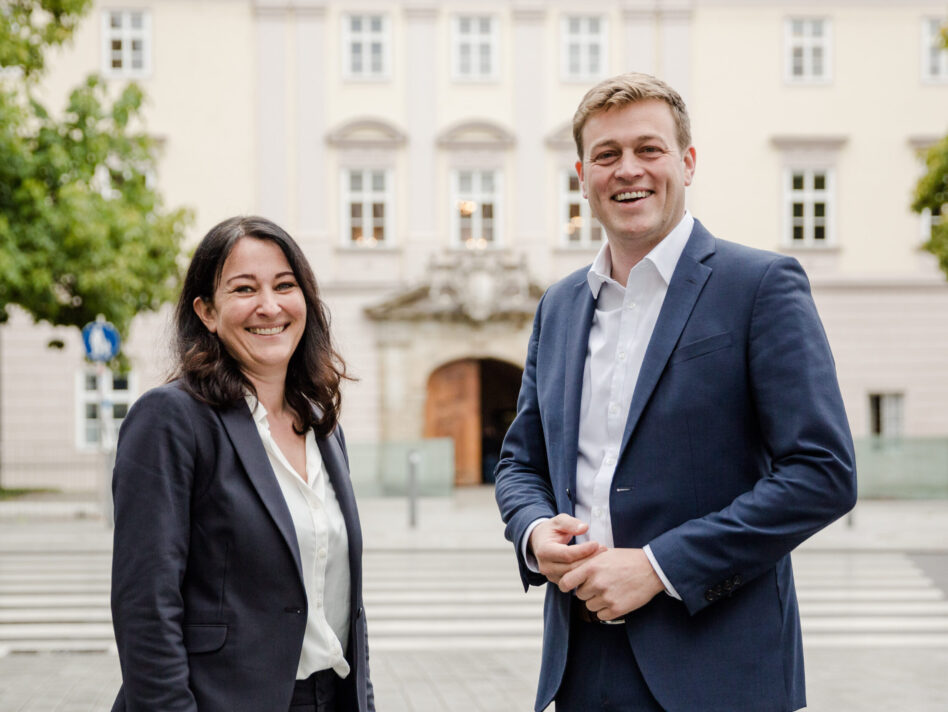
(837, 681)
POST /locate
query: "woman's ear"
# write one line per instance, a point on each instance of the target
(206, 313)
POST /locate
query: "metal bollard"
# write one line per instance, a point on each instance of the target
(414, 460)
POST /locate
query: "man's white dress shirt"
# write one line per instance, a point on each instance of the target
(324, 551)
(621, 329)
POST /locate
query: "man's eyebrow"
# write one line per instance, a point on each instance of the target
(638, 139)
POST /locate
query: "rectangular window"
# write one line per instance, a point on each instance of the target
(934, 54)
(476, 214)
(367, 203)
(808, 50)
(886, 414)
(118, 392)
(366, 46)
(475, 46)
(808, 197)
(126, 48)
(583, 48)
(580, 228)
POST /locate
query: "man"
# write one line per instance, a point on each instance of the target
(679, 431)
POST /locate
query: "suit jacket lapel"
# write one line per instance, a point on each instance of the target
(686, 284)
(577, 327)
(246, 441)
(338, 471)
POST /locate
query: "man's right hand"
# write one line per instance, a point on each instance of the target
(549, 542)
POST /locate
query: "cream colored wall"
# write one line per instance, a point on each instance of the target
(876, 100)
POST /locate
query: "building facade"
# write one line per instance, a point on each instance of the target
(421, 153)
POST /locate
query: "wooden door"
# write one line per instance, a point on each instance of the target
(453, 410)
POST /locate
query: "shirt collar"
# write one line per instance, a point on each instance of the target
(257, 410)
(664, 256)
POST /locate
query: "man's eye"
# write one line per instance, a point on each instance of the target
(651, 149)
(605, 156)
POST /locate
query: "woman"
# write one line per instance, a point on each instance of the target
(237, 574)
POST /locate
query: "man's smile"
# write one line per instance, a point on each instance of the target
(631, 196)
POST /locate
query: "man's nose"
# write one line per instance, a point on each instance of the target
(628, 166)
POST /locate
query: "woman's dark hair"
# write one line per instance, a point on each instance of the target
(212, 375)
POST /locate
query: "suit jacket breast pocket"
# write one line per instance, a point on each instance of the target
(701, 347)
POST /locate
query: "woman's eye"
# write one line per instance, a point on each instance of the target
(283, 286)
(243, 289)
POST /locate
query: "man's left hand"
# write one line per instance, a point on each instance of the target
(614, 582)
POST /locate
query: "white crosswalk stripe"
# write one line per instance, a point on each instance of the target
(448, 599)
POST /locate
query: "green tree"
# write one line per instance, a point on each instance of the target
(931, 193)
(82, 230)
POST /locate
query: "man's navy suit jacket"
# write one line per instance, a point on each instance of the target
(208, 601)
(736, 448)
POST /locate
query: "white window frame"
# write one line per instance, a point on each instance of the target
(127, 35)
(583, 41)
(367, 197)
(475, 41)
(809, 196)
(366, 37)
(891, 407)
(931, 44)
(86, 397)
(583, 224)
(807, 43)
(476, 197)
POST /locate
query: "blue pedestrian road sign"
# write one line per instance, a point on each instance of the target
(101, 339)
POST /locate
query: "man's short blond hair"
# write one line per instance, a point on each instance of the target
(625, 89)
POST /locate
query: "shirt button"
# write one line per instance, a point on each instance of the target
(630, 305)
(610, 461)
(621, 355)
(613, 408)
(597, 512)
(321, 553)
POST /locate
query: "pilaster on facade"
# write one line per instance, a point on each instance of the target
(529, 99)
(640, 28)
(271, 113)
(311, 90)
(421, 116)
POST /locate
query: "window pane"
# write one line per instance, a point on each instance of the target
(487, 210)
(573, 26)
(816, 28)
(485, 64)
(595, 231)
(92, 411)
(356, 58)
(115, 20)
(485, 25)
(798, 181)
(819, 181)
(378, 210)
(464, 181)
(89, 382)
(487, 182)
(355, 210)
(464, 25)
(817, 62)
(819, 209)
(136, 18)
(798, 233)
(355, 181)
(819, 232)
(798, 210)
(376, 23)
(119, 411)
(355, 23)
(594, 25)
(573, 183)
(119, 383)
(378, 181)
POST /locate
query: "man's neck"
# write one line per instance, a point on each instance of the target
(624, 257)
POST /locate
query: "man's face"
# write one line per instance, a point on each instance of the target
(634, 174)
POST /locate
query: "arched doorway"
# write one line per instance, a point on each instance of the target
(472, 401)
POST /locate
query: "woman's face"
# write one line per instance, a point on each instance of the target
(259, 312)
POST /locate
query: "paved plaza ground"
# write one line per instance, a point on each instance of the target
(860, 678)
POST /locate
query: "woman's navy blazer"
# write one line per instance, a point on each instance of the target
(208, 602)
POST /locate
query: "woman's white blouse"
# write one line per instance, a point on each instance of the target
(324, 551)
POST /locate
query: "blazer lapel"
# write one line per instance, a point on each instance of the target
(335, 462)
(577, 327)
(686, 284)
(246, 441)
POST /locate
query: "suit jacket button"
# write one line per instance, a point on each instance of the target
(710, 596)
(737, 580)
(293, 609)
(359, 612)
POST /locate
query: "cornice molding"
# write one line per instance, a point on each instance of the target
(367, 132)
(809, 142)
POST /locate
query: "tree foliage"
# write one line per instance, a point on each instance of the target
(82, 230)
(931, 193)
